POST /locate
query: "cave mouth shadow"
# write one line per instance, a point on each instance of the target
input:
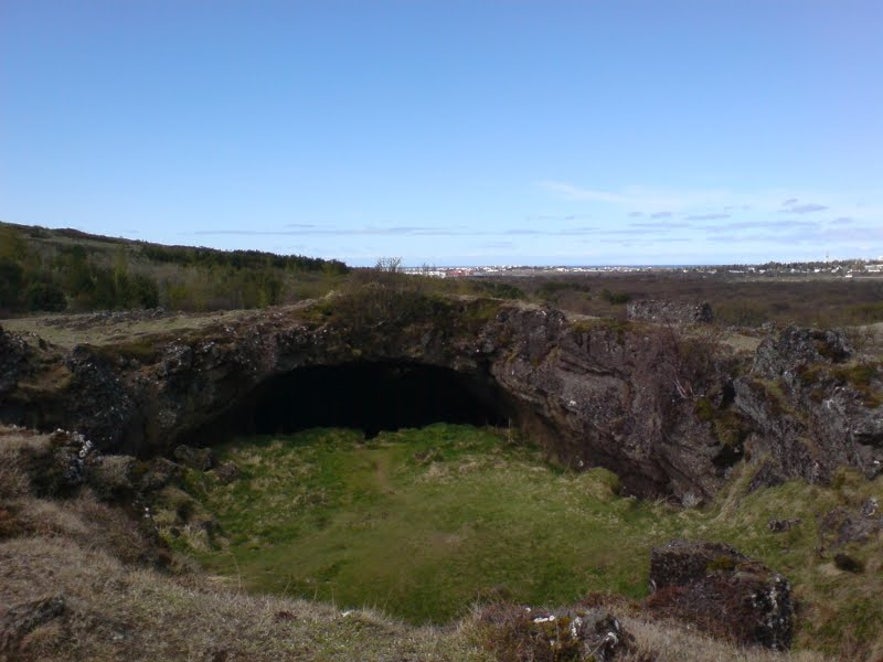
(368, 396)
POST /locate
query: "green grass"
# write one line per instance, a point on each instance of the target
(423, 523)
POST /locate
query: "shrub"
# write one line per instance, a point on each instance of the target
(615, 298)
(11, 279)
(45, 296)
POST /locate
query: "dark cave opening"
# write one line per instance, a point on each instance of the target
(365, 396)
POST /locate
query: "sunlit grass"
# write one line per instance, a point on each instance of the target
(424, 523)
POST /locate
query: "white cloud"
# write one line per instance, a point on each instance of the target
(807, 208)
(645, 200)
(572, 192)
(706, 217)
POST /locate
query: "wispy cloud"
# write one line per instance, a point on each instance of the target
(573, 192)
(769, 226)
(706, 217)
(631, 231)
(657, 226)
(858, 233)
(550, 232)
(557, 217)
(583, 221)
(639, 199)
(567, 232)
(248, 233)
(792, 206)
(307, 229)
(415, 230)
(695, 204)
(807, 208)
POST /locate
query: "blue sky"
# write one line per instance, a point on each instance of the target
(450, 131)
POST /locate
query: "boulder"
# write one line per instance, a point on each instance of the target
(843, 525)
(722, 592)
(14, 353)
(227, 472)
(669, 312)
(794, 346)
(514, 632)
(782, 525)
(201, 459)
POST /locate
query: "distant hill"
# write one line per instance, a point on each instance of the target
(66, 269)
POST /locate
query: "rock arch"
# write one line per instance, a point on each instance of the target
(371, 396)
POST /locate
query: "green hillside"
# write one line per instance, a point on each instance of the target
(69, 270)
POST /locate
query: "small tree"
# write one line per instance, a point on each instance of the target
(389, 265)
(45, 296)
(11, 280)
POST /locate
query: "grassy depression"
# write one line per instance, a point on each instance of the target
(422, 523)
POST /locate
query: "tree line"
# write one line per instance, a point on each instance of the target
(56, 271)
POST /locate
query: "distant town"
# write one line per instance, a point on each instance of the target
(827, 269)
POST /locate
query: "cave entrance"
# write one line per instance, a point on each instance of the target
(369, 397)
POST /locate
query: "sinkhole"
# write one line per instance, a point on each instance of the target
(368, 396)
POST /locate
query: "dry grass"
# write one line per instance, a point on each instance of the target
(118, 610)
(115, 611)
(131, 328)
(673, 642)
(92, 564)
(16, 445)
(66, 330)
(736, 300)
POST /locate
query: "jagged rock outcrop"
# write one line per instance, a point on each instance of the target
(620, 395)
(664, 408)
(665, 311)
(813, 406)
(14, 353)
(723, 592)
